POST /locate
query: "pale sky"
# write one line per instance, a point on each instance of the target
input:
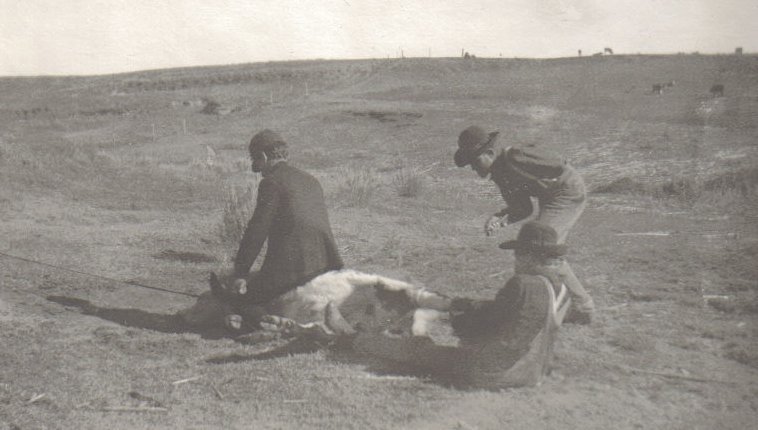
(85, 37)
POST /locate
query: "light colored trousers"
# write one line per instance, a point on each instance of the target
(560, 209)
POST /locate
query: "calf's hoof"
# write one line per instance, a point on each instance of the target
(273, 323)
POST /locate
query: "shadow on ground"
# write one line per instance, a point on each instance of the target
(342, 352)
(338, 351)
(137, 318)
(279, 349)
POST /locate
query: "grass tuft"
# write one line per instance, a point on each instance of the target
(746, 354)
(408, 182)
(359, 187)
(238, 207)
(211, 106)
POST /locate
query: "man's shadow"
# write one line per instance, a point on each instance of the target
(137, 318)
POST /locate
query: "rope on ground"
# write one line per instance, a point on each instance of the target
(92, 275)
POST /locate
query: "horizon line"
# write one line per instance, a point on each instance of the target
(388, 58)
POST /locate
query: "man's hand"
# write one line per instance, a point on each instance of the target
(460, 306)
(239, 286)
(233, 322)
(493, 223)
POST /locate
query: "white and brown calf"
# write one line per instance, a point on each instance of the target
(335, 303)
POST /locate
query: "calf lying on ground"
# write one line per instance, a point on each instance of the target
(323, 306)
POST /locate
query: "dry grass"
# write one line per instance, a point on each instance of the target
(728, 188)
(408, 182)
(238, 205)
(359, 187)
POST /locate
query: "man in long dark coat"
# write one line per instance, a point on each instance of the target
(291, 215)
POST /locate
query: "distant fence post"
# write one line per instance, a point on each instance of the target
(184, 125)
(153, 132)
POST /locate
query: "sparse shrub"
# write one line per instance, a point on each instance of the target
(724, 305)
(684, 189)
(211, 106)
(746, 354)
(408, 182)
(359, 187)
(745, 181)
(238, 206)
(725, 188)
(623, 185)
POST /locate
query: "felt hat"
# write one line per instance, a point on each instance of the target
(538, 238)
(266, 141)
(472, 142)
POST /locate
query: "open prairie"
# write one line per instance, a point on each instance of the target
(144, 177)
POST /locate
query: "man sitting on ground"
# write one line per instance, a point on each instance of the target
(505, 342)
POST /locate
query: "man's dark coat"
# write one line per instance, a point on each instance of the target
(522, 173)
(291, 213)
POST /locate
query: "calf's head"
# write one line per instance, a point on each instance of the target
(209, 310)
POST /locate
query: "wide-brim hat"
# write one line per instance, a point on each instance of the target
(471, 143)
(537, 238)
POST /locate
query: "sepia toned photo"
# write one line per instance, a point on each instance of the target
(346, 214)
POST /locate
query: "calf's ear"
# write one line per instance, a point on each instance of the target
(217, 288)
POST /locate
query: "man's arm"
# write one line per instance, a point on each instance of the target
(519, 205)
(258, 228)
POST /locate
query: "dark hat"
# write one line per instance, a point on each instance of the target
(472, 142)
(266, 141)
(538, 238)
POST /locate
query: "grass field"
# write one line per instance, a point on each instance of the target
(143, 177)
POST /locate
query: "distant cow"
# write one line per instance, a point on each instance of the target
(658, 88)
(608, 51)
(717, 90)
